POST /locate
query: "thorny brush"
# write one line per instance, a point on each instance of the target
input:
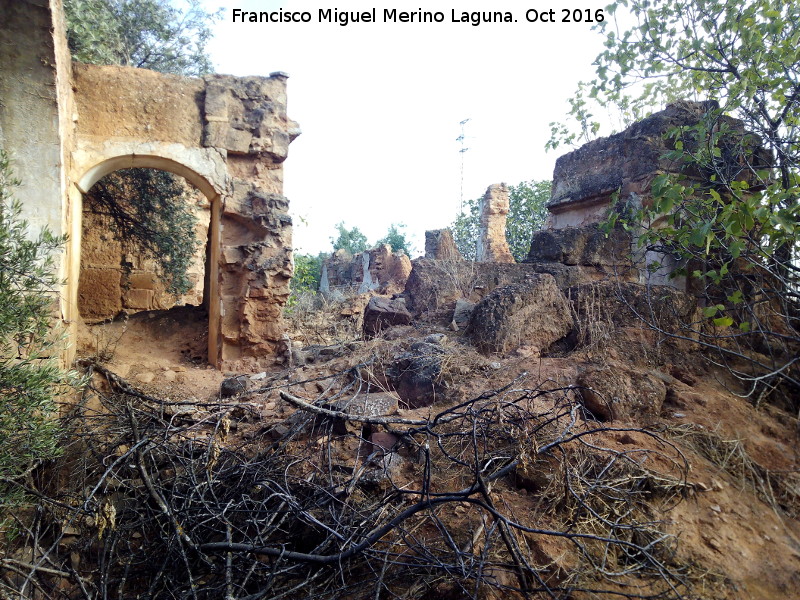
(171, 503)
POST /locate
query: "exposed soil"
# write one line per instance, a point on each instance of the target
(735, 520)
(163, 351)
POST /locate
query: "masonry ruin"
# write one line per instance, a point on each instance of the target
(227, 136)
(376, 270)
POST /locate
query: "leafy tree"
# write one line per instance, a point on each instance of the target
(150, 210)
(466, 229)
(306, 278)
(527, 213)
(396, 238)
(307, 271)
(149, 34)
(30, 378)
(731, 218)
(351, 240)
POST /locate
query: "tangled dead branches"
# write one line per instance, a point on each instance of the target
(154, 500)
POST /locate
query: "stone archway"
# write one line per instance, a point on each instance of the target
(204, 182)
(71, 123)
(228, 136)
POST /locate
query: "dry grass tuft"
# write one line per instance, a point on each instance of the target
(780, 489)
(316, 319)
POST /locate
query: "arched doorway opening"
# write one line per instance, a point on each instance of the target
(121, 278)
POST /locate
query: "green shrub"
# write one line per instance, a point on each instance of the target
(31, 379)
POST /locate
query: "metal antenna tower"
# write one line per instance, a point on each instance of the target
(462, 138)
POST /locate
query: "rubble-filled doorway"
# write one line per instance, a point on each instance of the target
(148, 248)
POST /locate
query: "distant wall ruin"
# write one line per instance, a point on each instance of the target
(67, 125)
(378, 269)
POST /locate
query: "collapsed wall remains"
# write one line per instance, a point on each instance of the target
(68, 125)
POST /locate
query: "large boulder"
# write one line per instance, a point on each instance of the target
(382, 313)
(532, 312)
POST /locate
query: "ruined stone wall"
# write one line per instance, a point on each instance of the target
(35, 108)
(69, 125)
(627, 162)
(228, 136)
(585, 183)
(378, 269)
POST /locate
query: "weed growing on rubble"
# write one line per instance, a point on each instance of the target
(781, 490)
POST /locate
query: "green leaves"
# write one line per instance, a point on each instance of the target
(396, 238)
(150, 34)
(30, 378)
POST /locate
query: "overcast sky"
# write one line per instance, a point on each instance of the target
(380, 103)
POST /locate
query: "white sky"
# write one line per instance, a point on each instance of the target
(380, 104)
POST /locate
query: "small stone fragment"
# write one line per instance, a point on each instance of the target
(234, 385)
(146, 377)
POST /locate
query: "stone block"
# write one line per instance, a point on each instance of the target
(382, 313)
(238, 141)
(139, 299)
(585, 246)
(216, 102)
(99, 294)
(215, 134)
(532, 312)
(440, 245)
(143, 281)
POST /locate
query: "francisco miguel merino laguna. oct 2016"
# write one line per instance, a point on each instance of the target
(393, 15)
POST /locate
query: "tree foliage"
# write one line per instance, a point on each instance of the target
(527, 213)
(149, 34)
(307, 272)
(350, 240)
(730, 219)
(397, 239)
(150, 210)
(30, 378)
